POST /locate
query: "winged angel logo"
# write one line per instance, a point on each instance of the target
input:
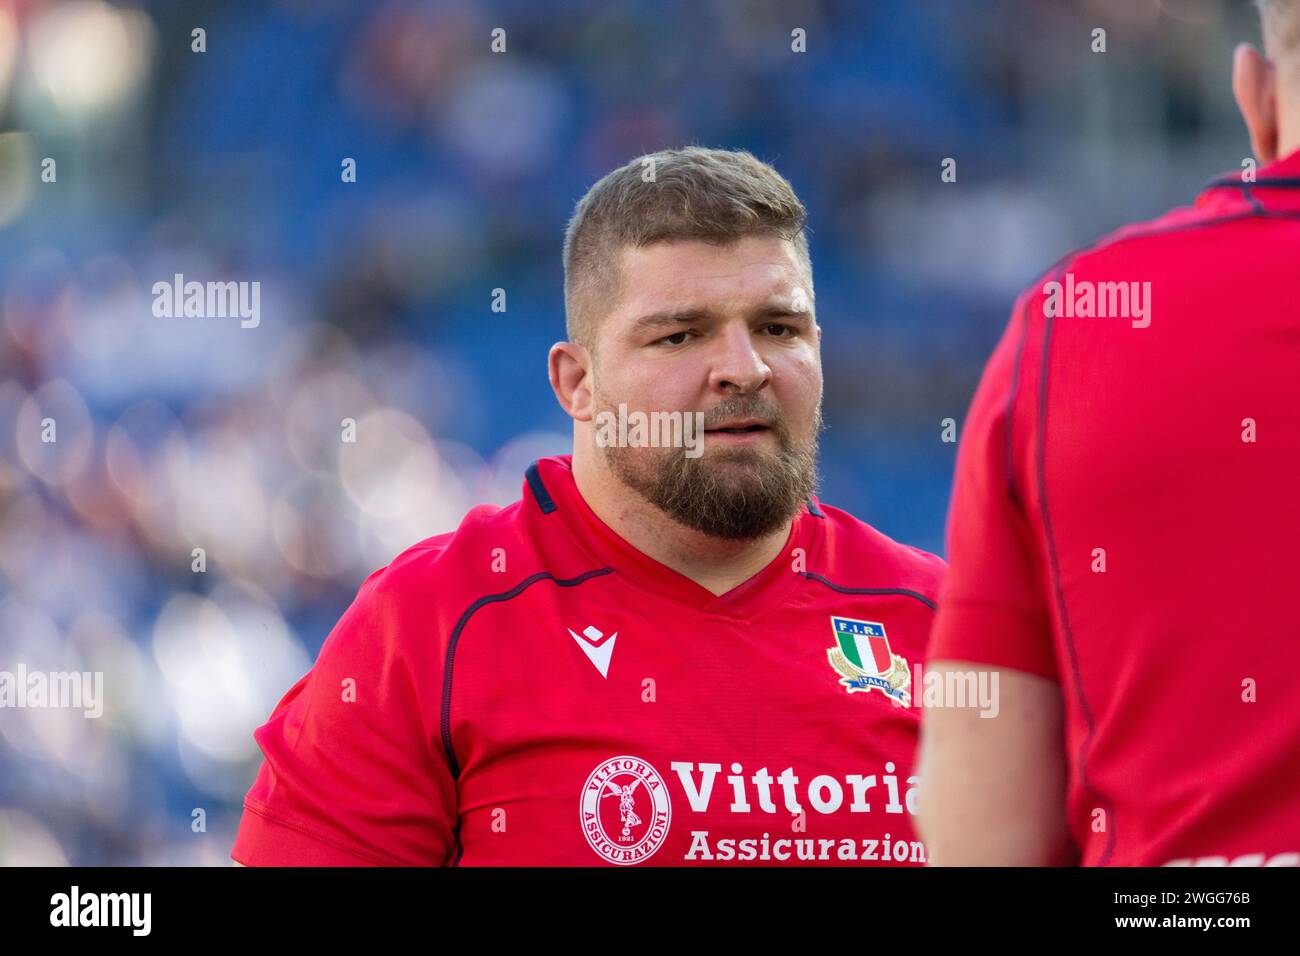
(625, 810)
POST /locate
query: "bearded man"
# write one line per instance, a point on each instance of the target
(668, 614)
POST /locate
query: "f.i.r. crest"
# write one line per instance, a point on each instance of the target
(863, 659)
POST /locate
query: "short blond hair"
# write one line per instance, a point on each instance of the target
(1281, 20)
(691, 193)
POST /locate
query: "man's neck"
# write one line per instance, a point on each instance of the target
(1288, 106)
(716, 564)
(1289, 139)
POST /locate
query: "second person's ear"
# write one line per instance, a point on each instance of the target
(1254, 85)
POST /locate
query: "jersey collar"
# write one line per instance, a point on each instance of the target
(552, 489)
(1276, 188)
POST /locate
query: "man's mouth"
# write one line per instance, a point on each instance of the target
(738, 428)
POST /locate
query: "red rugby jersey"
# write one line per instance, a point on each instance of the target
(1126, 521)
(532, 690)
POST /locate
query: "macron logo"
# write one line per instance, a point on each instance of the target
(598, 648)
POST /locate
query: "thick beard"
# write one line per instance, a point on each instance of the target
(749, 499)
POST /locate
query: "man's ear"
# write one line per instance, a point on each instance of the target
(570, 369)
(1254, 85)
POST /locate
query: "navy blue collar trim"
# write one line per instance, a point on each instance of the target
(1236, 182)
(544, 499)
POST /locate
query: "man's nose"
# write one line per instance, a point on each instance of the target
(737, 366)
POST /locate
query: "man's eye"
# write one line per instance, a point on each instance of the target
(677, 338)
(781, 329)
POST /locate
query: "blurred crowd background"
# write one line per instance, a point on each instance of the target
(175, 434)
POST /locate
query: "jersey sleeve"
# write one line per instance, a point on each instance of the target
(993, 606)
(353, 773)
